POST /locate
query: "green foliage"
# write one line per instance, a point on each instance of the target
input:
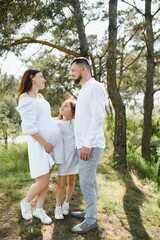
(110, 123)
(14, 14)
(8, 86)
(149, 170)
(134, 131)
(13, 195)
(158, 165)
(143, 168)
(156, 126)
(158, 201)
(57, 22)
(14, 166)
(9, 120)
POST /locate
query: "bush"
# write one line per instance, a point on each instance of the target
(14, 166)
(145, 169)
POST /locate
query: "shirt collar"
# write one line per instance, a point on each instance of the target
(87, 83)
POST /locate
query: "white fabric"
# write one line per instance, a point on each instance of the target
(36, 117)
(90, 115)
(71, 163)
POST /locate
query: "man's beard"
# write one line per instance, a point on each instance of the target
(78, 79)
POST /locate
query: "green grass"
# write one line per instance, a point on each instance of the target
(128, 205)
(13, 195)
(14, 169)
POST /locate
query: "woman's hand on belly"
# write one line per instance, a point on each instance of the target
(48, 147)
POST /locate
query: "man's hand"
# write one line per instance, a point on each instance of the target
(85, 153)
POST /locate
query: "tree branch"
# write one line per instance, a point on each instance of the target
(156, 11)
(135, 7)
(157, 63)
(156, 90)
(130, 38)
(28, 40)
(139, 54)
(26, 61)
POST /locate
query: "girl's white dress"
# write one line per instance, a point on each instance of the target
(71, 162)
(36, 117)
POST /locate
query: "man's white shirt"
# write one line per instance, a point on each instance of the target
(90, 115)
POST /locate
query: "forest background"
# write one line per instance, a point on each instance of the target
(123, 49)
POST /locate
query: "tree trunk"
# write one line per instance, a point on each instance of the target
(158, 175)
(148, 97)
(84, 46)
(5, 137)
(120, 113)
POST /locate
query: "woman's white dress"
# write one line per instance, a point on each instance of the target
(71, 162)
(36, 117)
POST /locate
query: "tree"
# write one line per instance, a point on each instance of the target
(60, 25)
(149, 38)
(63, 38)
(7, 83)
(9, 120)
(9, 124)
(148, 97)
(120, 115)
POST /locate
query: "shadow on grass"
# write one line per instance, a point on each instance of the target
(30, 229)
(132, 202)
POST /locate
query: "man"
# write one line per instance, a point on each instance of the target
(90, 141)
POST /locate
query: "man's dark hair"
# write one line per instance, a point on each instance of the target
(82, 61)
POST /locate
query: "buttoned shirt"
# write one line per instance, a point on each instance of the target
(90, 115)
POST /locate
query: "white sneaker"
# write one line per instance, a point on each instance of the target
(58, 213)
(40, 213)
(26, 210)
(65, 208)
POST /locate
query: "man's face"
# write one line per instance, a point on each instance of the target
(76, 73)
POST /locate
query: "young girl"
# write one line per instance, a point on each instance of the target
(68, 170)
(45, 144)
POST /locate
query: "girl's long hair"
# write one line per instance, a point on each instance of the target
(73, 108)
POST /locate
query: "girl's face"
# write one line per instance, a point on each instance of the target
(38, 81)
(66, 110)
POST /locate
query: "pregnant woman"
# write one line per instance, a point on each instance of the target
(45, 145)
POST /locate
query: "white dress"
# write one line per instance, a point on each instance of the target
(71, 162)
(36, 117)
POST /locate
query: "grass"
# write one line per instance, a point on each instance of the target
(128, 205)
